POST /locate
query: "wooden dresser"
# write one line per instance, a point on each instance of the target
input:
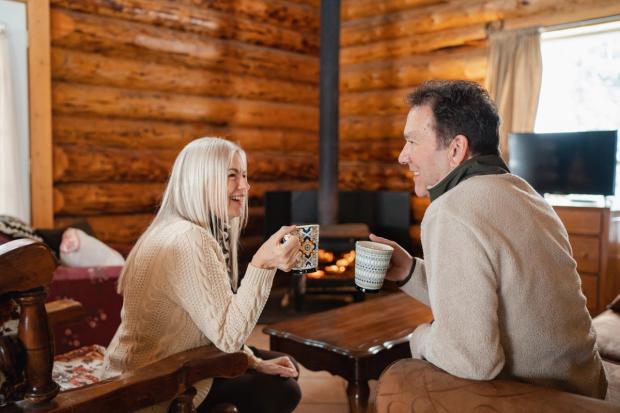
(588, 231)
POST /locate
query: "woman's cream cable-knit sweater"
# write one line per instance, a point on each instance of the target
(177, 296)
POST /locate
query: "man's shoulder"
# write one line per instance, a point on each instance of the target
(483, 194)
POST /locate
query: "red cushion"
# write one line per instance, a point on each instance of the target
(4, 239)
(95, 288)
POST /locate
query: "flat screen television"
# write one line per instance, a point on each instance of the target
(565, 163)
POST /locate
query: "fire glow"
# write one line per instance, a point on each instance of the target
(327, 257)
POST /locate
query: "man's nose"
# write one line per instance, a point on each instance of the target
(403, 157)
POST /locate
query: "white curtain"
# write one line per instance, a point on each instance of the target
(12, 181)
(514, 75)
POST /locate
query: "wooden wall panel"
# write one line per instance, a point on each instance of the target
(388, 47)
(136, 80)
(135, 134)
(110, 36)
(201, 20)
(94, 69)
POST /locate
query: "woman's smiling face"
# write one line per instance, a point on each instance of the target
(238, 187)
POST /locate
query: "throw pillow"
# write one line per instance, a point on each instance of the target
(79, 249)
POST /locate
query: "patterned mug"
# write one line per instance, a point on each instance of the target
(308, 260)
(372, 261)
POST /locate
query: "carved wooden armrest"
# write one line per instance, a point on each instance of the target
(414, 385)
(64, 311)
(155, 383)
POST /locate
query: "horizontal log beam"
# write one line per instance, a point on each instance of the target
(411, 45)
(110, 36)
(425, 19)
(379, 102)
(433, 18)
(280, 13)
(122, 198)
(361, 128)
(113, 229)
(91, 164)
(111, 198)
(460, 63)
(570, 11)
(379, 150)
(374, 177)
(375, 102)
(95, 69)
(357, 9)
(74, 99)
(200, 20)
(137, 134)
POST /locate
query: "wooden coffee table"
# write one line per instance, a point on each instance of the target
(356, 342)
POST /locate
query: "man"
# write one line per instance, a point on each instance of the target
(497, 271)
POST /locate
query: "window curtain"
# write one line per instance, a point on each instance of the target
(514, 74)
(12, 196)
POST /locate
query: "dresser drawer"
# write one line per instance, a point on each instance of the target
(580, 221)
(589, 287)
(586, 251)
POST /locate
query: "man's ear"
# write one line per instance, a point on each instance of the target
(458, 150)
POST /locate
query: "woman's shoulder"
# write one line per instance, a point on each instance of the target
(183, 233)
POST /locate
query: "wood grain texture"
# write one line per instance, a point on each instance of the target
(200, 20)
(108, 102)
(411, 45)
(72, 66)
(154, 134)
(40, 113)
(290, 14)
(460, 63)
(109, 36)
(88, 164)
(357, 9)
(413, 385)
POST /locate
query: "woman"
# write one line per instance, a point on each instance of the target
(179, 284)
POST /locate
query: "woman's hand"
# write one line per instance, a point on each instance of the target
(401, 260)
(281, 366)
(275, 253)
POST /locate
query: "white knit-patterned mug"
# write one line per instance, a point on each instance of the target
(372, 261)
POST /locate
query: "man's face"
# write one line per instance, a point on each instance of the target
(421, 154)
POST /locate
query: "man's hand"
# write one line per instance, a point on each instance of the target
(280, 366)
(401, 261)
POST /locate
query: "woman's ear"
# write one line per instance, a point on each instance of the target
(458, 150)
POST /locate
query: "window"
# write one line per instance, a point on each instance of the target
(580, 87)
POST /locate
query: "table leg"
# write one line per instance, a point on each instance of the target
(358, 393)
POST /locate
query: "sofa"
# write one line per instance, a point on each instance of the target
(95, 288)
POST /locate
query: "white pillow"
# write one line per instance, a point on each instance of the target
(79, 249)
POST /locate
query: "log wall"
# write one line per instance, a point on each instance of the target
(133, 81)
(390, 46)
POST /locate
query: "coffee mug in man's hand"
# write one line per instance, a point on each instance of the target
(308, 260)
(372, 261)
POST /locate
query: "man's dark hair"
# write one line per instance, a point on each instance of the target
(460, 108)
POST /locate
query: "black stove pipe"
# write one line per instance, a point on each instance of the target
(328, 112)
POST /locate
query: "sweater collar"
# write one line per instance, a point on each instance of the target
(478, 165)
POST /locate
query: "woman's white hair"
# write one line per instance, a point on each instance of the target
(197, 191)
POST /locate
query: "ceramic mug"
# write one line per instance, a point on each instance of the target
(372, 261)
(308, 260)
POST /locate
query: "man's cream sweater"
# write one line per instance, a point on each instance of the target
(178, 296)
(500, 279)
